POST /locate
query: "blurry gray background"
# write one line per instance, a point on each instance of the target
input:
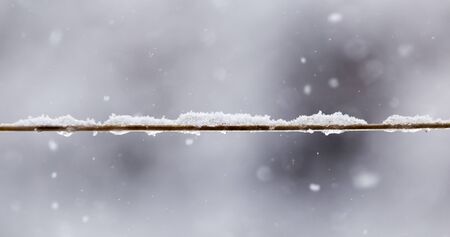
(91, 58)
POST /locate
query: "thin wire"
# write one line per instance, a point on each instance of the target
(226, 128)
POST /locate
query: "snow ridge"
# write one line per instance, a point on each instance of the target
(220, 118)
(123, 120)
(327, 119)
(43, 120)
(397, 119)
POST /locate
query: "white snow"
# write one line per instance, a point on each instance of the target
(121, 132)
(408, 120)
(194, 119)
(405, 50)
(333, 82)
(45, 120)
(264, 173)
(54, 175)
(366, 180)
(54, 206)
(55, 37)
(303, 60)
(327, 119)
(320, 118)
(397, 119)
(307, 89)
(123, 120)
(314, 187)
(335, 17)
(220, 118)
(189, 142)
(153, 133)
(64, 133)
(52, 145)
(85, 219)
(394, 102)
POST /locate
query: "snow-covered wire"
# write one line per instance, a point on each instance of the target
(219, 122)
